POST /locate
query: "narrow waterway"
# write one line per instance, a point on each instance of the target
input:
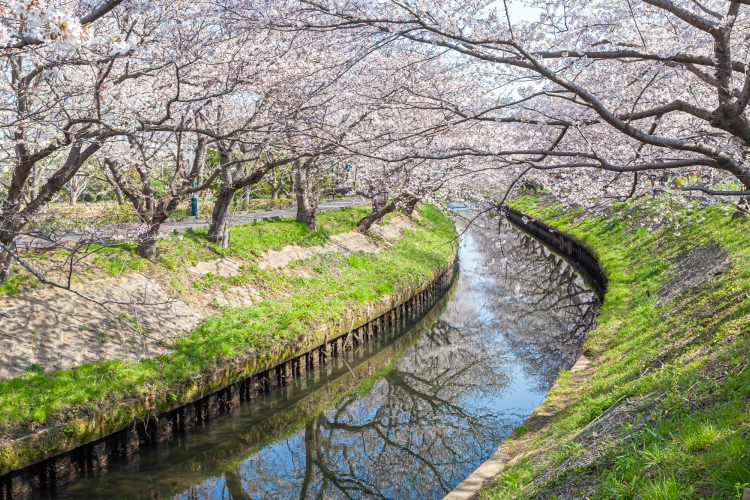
(409, 415)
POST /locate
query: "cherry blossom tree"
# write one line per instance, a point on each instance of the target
(314, 178)
(28, 24)
(155, 208)
(589, 96)
(76, 186)
(66, 93)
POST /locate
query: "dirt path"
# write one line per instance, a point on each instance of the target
(59, 329)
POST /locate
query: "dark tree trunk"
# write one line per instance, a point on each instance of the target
(310, 448)
(115, 188)
(154, 210)
(8, 222)
(6, 262)
(155, 218)
(743, 204)
(366, 222)
(245, 198)
(33, 187)
(276, 184)
(410, 205)
(378, 203)
(218, 232)
(147, 243)
(118, 194)
(234, 485)
(307, 210)
(290, 179)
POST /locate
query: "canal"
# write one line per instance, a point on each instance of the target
(407, 415)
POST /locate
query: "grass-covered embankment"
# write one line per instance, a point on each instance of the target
(664, 412)
(300, 305)
(176, 252)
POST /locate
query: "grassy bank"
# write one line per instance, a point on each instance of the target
(61, 216)
(320, 292)
(664, 412)
(358, 379)
(176, 252)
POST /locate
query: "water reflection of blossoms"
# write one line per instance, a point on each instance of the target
(548, 313)
(370, 446)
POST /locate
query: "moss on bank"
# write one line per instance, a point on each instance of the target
(666, 412)
(332, 287)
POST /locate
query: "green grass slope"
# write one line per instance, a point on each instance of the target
(665, 413)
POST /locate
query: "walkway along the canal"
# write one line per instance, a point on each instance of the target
(187, 223)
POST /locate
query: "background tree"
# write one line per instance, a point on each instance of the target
(61, 94)
(154, 206)
(588, 93)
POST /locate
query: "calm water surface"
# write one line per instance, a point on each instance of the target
(454, 383)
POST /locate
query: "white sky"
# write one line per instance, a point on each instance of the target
(520, 12)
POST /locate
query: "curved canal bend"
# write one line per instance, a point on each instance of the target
(432, 400)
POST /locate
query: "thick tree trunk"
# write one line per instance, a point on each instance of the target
(245, 198)
(6, 263)
(376, 215)
(307, 201)
(118, 194)
(378, 203)
(310, 449)
(117, 190)
(8, 231)
(307, 210)
(218, 232)
(410, 205)
(743, 204)
(34, 187)
(147, 243)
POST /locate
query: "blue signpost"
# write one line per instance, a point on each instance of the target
(194, 202)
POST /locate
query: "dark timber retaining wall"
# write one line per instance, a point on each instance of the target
(575, 252)
(123, 444)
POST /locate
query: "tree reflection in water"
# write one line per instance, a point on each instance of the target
(518, 316)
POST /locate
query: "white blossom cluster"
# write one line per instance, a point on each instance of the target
(41, 21)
